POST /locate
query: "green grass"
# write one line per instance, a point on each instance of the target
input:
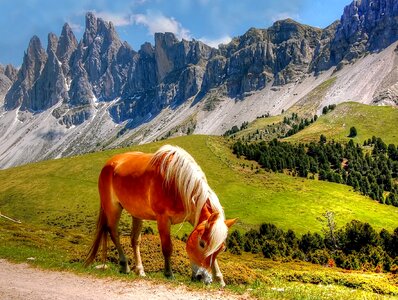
(259, 124)
(64, 192)
(379, 121)
(57, 203)
(309, 104)
(306, 107)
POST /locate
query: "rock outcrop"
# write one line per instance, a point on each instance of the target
(95, 90)
(366, 25)
(6, 78)
(50, 88)
(33, 63)
(67, 44)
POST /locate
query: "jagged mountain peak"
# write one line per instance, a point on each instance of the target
(97, 28)
(365, 25)
(34, 43)
(10, 71)
(102, 78)
(52, 43)
(67, 44)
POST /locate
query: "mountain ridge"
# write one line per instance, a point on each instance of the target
(185, 85)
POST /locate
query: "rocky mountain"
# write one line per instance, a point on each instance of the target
(8, 75)
(79, 96)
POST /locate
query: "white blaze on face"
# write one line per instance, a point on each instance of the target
(217, 236)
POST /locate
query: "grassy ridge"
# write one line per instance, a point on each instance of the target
(369, 120)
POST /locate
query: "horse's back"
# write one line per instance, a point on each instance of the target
(133, 180)
(129, 164)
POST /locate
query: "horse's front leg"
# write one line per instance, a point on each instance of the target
(167, 247)
(217, 273)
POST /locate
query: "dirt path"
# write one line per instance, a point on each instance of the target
(20, 281)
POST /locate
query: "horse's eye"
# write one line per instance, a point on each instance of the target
(202, 243)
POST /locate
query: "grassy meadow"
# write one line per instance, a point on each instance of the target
(379, 121)
(57, 204)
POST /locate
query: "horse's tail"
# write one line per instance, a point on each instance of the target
(101, 235)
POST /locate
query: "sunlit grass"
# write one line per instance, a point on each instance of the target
(57, 202)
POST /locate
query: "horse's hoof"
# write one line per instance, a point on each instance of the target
(124, 268)
(140, 272)
(169, 275)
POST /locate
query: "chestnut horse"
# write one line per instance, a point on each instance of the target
(169, 187)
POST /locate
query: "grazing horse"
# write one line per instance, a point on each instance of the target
(167, 186)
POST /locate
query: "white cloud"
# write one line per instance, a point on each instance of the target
(156, 22)
(76, 28)
(216, 42)
(117, 19)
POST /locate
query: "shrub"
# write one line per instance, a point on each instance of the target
(320, 256)
(353, 132)
(351, 262)
(270, 249)
(147, 230)
(311, 242)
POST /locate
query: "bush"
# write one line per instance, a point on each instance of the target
(234, 238)
(357, 235)
(351, 262)
(353, 132)
(270, 249)
(311, 242)
(148, 230)
(320, 256)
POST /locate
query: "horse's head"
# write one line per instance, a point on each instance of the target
(207, 240)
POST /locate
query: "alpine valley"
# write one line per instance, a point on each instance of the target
(99, 93)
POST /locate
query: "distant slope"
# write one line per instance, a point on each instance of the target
(379, 121)
(64, 192)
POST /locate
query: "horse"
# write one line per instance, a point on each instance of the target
(167, 186)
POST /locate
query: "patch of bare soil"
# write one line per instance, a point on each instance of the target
(21, 281)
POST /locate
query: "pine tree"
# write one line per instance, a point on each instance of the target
(353, 132)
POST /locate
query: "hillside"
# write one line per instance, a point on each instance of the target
(379, 121)
(57, 204)
(98, 93)
(64, 190)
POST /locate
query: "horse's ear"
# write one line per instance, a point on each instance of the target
(213, 217)
(230, 222)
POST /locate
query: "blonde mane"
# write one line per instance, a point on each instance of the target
(181, 172)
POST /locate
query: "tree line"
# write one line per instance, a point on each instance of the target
(372, 171)
(355, 246)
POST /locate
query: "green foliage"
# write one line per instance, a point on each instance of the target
(236, 129)
(353, 132)
(369, 120)
(327, 109)
(372, 175)
(357, 246)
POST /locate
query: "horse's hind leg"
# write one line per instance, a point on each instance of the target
(113, 230)
(135, 243)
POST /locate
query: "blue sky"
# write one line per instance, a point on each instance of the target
(212, 21)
